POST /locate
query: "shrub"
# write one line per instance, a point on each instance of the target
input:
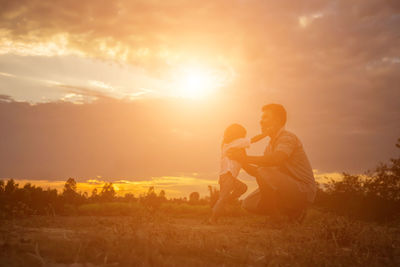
(374, 196)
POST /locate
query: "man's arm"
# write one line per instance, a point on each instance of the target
(270, 159)
(276, 158)
(250, 169)
(257, 138)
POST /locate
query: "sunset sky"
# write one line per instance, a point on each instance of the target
(140, 92)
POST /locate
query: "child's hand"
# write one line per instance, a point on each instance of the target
(237, 154)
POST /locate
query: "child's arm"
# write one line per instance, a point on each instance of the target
(258, 138)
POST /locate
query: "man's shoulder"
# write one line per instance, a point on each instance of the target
(288, 137)
(285, 134)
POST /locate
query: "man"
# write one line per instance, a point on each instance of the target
(284, 175)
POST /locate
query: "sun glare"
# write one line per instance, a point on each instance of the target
(196, 83)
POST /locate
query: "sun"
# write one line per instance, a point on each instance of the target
(196, 83)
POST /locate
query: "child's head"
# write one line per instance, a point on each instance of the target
(233, 132)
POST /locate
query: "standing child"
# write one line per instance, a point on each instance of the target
(230, 186)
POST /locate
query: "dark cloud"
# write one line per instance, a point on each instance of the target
(262, 40)
(6, 98)
(334, 64)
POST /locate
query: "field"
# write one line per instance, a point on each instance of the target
(173, 239)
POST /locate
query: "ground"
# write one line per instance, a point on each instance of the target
(170, 240)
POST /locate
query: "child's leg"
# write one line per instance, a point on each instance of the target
(239, 188)
(226, 186)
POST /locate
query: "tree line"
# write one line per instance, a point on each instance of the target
(33, 200)
(374, 195)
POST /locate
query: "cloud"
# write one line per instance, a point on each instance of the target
(157, 32)
(6, 98)
(337, 75)
(261, 40)
(7, 74)
(127, 140)
(93, 93)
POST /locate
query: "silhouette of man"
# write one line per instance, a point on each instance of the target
(284, 174)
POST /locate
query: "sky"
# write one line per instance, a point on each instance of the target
(140, 92)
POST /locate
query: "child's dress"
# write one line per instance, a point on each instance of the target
(230, 186)
(228, 165)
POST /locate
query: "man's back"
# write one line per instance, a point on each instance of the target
(297, 165)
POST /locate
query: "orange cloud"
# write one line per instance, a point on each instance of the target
(244, 34)
(335, 66)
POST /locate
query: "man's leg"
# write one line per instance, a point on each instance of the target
(251, 202)
(268, 201)
(290, 200)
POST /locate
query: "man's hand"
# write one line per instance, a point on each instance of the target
(238, 154)
(258, 137)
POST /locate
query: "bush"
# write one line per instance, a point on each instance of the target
(374, 196)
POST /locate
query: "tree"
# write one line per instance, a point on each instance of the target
(69, 193)
(374, 196)
(94, 196)
(70, 185)
(129, 197)
(162, 196)
(151, 201)
(384, 181)
(1, 186)
(107, 193)
(10, 187)
(194, 198)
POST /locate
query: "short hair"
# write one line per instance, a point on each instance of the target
(233, 132)
(278, 111)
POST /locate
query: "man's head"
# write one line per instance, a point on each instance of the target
(272, 119)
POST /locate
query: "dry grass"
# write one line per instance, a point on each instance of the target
(168, 240)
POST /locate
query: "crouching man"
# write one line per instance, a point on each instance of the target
(286, 184)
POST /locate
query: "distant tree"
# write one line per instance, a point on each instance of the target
(151, 192)
(384, 181)
(70, 185)
(85, 195)
(151, 201)
(70, 195)
(162, 196)
(129, 197)
(2, 197)
(194, 198)
(10, 187)
(107, 193)
(94, 196)
(28, 200)
(1, 186)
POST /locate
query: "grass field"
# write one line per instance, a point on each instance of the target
(169, 239)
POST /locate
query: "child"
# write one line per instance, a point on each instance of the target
(230, 186)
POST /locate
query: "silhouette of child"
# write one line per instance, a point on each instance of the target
(231, 187)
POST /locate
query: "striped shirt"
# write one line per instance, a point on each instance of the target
(297, 165)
